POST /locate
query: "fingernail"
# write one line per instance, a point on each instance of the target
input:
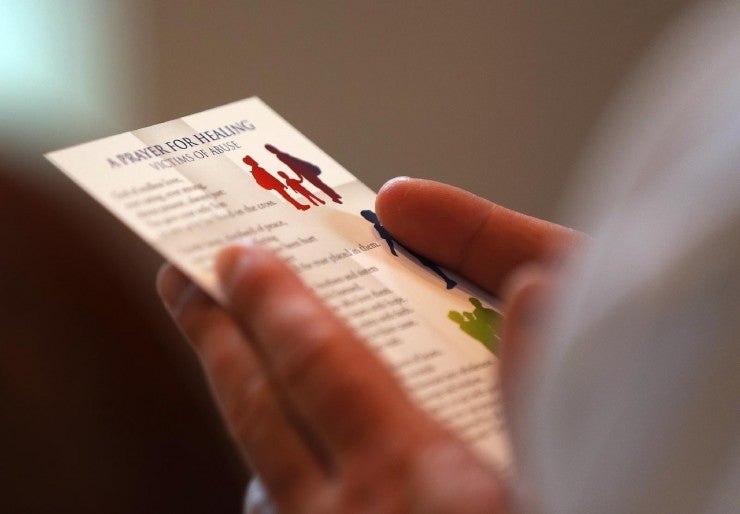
(234, 262)
(394, 181)
(171, 284)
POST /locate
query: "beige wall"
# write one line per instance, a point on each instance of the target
(496, 97)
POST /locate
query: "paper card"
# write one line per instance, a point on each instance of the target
(195, 185)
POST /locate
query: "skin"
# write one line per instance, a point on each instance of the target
(318, 417)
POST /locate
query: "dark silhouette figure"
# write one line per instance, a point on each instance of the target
(482, 324)
(297, 186)
(267, 181)
(305, 170)
(373, 218)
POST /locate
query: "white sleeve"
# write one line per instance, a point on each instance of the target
(635, 405)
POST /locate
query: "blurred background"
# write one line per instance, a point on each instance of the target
(102, 407)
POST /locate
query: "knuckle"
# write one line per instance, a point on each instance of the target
(300, 337)
(252, 281)
(308, 352)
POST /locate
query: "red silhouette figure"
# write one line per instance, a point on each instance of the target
(297, 186)
(267, 181)
(305, 170)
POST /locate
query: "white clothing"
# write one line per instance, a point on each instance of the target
(634, 406)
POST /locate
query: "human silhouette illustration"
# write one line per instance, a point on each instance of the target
(482, 324)
(297, 186)
(305, 170)
(388, 238)
(382, 232)
(267, 181)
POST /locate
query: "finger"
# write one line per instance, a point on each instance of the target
(523, 298)
(527, 299)
(465, 233)
(450, 478)
(344, 391)
(272, 446)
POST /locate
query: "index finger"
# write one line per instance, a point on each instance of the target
(343, 391)
(465, 233)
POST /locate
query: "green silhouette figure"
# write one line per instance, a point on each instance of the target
(482, 324)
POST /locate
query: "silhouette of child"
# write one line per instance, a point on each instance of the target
(267, 181)
(297, 186)
(305, 170)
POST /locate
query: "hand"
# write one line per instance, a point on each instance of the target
(509, 254)
(318, 417)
